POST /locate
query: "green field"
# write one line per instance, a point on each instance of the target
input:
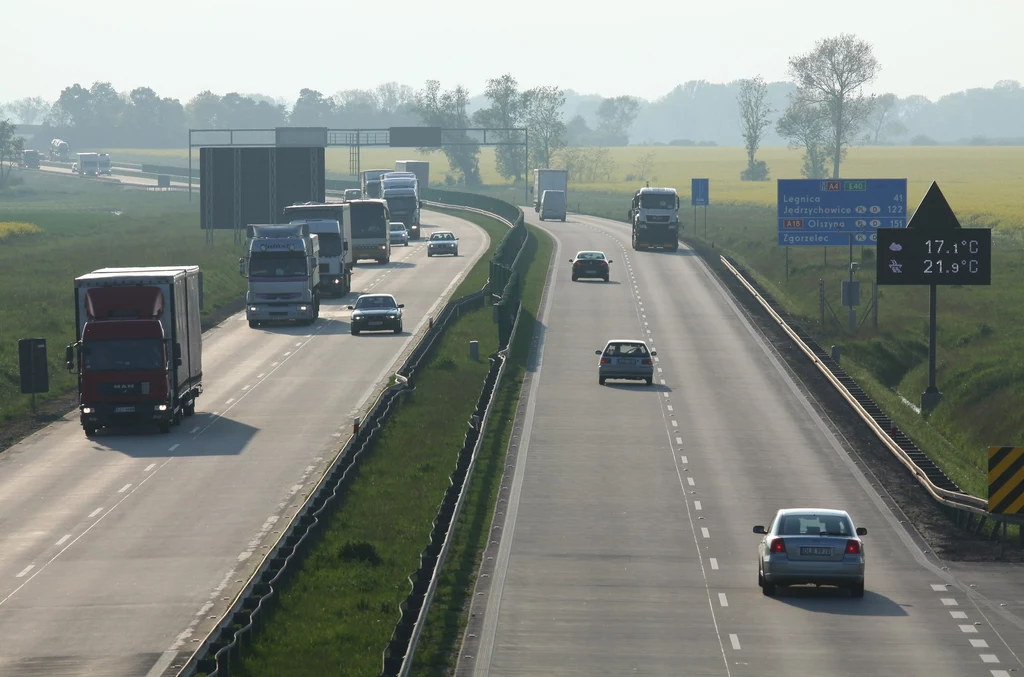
(81, 226)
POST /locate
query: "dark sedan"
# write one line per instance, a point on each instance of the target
(590, 264)
(376, 312)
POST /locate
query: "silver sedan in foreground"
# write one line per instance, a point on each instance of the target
(813, 546)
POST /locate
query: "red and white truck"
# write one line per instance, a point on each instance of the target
(138, 346)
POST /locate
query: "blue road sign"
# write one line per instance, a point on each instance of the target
(826, 212)
(699, 192)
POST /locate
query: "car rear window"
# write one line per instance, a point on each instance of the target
(590, 255)
(813, 525)
(626, 350)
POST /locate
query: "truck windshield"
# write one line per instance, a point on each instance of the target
(277, 264)
(402, 205)
(658, 201)
(368, 220)
(123, 355)
(330, 244)
(373, 189)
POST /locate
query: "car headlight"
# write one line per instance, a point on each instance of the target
(252, 308)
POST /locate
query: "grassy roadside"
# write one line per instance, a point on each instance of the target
(87, 225)
(338, 613)
(438, 647)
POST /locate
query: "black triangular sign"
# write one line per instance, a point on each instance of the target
(934, 213)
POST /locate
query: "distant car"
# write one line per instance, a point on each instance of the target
(590, 264)
(376, 312)
(443, 242)
(628, 359)
(552, 205)
(398, 233)
(804, 546)
(74, 166)
(352, 194)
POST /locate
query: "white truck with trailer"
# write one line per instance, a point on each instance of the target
(420, 168)
(549, 179)
(335, 249)
(370, 182)
(282, 263)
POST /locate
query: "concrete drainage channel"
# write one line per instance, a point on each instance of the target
(969, 511)
(237, 630)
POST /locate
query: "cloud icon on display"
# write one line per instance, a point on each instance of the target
(896, 247)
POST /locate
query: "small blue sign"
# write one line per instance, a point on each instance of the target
(699, 192)
(826, 212)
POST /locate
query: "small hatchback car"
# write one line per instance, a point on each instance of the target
(399, 235)
(626, 359)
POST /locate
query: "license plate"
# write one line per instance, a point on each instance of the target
(124, 410)
(374, 324)
(623, 360)
(818, 552)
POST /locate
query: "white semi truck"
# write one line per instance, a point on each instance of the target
(418, 167)
(370, 182)
(282, 263)
(335, 244)
(88, 164)
(654, 215)
(549, 179)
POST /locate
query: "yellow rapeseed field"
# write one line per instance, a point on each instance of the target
(984, 185)
(10, 229)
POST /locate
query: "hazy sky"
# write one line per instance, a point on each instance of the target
(930, 47)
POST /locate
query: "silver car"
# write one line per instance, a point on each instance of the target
(399, 233)
(816, 546)
(443, 242)
(626, 359)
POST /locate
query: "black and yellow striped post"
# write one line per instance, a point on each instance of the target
(1006, 480)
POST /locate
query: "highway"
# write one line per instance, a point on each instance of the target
(118, 554)
(627, 545)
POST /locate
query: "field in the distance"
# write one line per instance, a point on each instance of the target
(983, 184)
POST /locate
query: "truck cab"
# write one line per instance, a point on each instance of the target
(403, 203)
(335, 269)
(30, 159)
(370, 183)
(103, 164)
(88, 164)
(282, 263)
(332, 255)
(654, 215)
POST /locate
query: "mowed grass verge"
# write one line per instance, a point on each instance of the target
(979, 365)
(439, 644)
(339, 611)
(78, 226)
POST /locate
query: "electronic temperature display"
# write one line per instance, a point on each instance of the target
(961, 256)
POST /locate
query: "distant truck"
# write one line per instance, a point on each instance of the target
(654, 215)
(549, 179)
(88, 164)
(335, 245)
(418, 167)
(370, 182)
(371, 234)
(404, 206)
(30, 159)
(282, 263)
(138, 346)
(552, 205)
(103, 164)
(59, 150)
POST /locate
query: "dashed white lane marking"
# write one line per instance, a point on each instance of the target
(246, 387)
(735, 642)
(63, 539)
(149, 467)
(95, 512)
(662, 381)
(669, 407)
(948, 601)
(968, 629)
(697, 505)
(173, 447)
(679, 440)
(656, 359)
(274, 364)
(1000, 673)
(288, 353)
(979, 644)
(988, 658)
(194, 430)
(939, 587)
(675, 424)
(659, 370)
(665, 394)
(162, 663)
(707, 534)
(689, 480)
(124, 488)
(299, 344)
(958, 614)
(24, 571)
(684, 459)
(714, 563)
(230, 401)
(722, 599)
(260, 375)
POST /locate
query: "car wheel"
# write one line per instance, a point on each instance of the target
(760, 578)
(253, 324)
(649, 380)
(857, 590)
(574, 278)
(355, 332)
(605, 278)
(600, 380)
(429, 255)
(768, 589)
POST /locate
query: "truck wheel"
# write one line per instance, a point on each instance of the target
(253, 324)
(190, 407)
(89, 431)
(563, 219)
(165, 427)
(541, 218)
(387, 259)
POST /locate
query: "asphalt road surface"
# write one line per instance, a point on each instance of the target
(119, 554)
(628, 547)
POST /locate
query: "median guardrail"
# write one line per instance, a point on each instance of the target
(940, 487)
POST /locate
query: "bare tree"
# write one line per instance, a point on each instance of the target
(883, 120)
(643, 166)
(30, 110)
(393, 97)
(11, 147)
(544, 120)
(833, 75)
(807, 125)
(755, 119)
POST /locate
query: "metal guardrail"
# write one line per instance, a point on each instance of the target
(935, 482)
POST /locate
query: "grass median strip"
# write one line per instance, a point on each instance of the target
(339, 611)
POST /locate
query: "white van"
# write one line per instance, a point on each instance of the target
(552, 205)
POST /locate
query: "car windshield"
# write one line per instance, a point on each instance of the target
(123, 355)
(626, 350)
(658, 201)
(375, 302)
(398, 229)
(277, 264)
(591, 256)
(815, 525)
(442, 236)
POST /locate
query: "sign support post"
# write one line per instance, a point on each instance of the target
(699, 198)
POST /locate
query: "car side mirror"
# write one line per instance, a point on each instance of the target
(654, 353)
(351, 307)
(861, 531)
(610, 261)
(570, 260)
(597, 352)
(759, 530)
(69, 358)
(401, 305)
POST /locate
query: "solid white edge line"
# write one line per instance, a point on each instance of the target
(161, 664)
